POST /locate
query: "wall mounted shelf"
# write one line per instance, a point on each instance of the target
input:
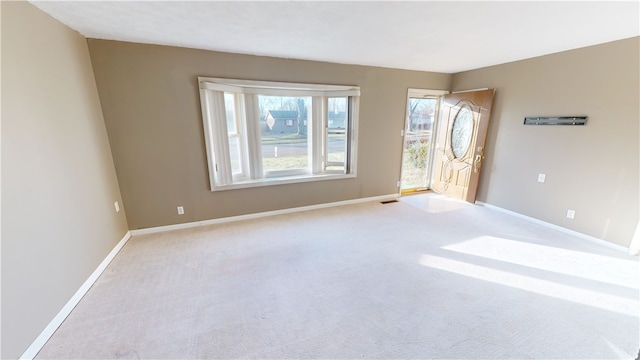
(555, 120)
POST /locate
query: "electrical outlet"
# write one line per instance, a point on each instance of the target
(117, 206)
(571, 214)
(542, 178)
(180, 210)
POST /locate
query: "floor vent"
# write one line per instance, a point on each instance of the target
(388, 201)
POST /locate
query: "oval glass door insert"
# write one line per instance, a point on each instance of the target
(461, 132)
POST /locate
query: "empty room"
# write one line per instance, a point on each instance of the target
(313, 180)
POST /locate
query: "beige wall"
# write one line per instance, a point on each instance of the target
(58, 178)
(592, 169)
(151, 105)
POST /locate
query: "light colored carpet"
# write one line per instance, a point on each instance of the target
(423, 278)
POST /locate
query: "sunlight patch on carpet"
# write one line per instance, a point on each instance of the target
(589, 266)
(538, 286)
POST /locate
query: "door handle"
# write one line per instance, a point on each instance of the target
(477, 161)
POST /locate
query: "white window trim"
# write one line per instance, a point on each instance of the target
(276, 88)
(253, 175)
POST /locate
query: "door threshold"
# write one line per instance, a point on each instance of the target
(414, 191)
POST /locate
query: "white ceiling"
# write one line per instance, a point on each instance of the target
(440, 36)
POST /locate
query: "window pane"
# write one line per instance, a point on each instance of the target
(234, 152)
(337, 115)
(229, 104)
(336, 150)
(337, 112)
(283, 130)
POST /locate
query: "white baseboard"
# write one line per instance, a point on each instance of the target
(260, 215)
(44, 336)
(556, 227)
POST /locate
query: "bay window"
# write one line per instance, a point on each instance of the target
(265, 133)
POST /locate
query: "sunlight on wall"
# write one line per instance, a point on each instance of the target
(538, 286)
(595, 267)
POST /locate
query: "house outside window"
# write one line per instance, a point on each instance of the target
(263, 133)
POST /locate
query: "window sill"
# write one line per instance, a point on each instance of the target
(281, 181)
